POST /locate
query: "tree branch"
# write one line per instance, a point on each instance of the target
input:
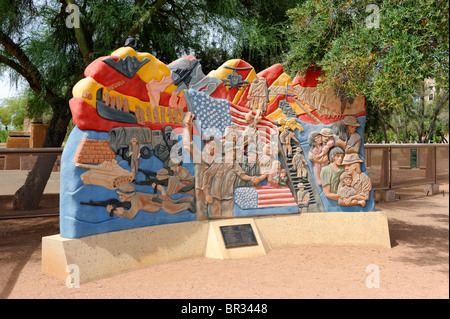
(397, 125)
(19, 69)
(83, 44)
(33, 76)
(438, 109)
(421, 112)
(416, 125)
(138, 24)
(386, 122)
(25, 68)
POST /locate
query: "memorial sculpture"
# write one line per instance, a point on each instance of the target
(158, 144)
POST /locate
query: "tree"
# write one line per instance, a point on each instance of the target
(26, 52)
(384, 52)
(261, 27)
(49, 43)
(420, 122)
(12, 112)
(5, 117)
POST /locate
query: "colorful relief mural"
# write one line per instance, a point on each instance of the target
(158, 144)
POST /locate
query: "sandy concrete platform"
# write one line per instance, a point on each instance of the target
(415, 267)
(109, 254)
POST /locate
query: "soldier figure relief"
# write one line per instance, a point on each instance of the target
(159, 144)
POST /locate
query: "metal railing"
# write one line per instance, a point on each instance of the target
(23, 158)
(32, 151)
(390, 166)
(393, 166)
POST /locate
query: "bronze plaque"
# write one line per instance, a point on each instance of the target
(238, 235)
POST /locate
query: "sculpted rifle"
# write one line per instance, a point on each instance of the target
(114, 202)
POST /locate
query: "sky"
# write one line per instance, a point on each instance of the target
(5, 90)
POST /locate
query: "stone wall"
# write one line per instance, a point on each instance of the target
(15, 140)
(27, 139)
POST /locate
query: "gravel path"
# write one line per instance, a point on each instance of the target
(417, 265)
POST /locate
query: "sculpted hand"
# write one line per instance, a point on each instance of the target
(255, 180)
(187, 122)
(367, 187)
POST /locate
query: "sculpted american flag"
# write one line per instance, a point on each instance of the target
(214, 115)
(263, 196)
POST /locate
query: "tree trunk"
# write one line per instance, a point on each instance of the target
(385, 133)
(29, 195)
(440, 105)
(397, 127)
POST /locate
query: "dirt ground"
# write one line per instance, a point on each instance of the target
(416, 266)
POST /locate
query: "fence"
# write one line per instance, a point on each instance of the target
(24, 158)
(390, 166)
(393, 166)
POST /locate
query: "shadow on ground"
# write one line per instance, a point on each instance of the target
(18, 242)
(418, 223)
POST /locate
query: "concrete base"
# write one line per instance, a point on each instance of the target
(105, 255)
(108, 254)
(383, 195)
(334, 229)
(432, 188)
(389, 195)
(215, 245)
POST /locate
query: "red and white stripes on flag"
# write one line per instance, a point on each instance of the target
(213, 115)
(266, 127)
(263, 197)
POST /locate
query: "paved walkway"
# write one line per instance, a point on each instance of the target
(12, 180)
(416, 266)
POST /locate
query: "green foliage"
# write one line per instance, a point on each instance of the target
(35, 106)
(261, 37)
(44, 53)
(5, 117)
(386, 62)
(3, 136)
(12, 113)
